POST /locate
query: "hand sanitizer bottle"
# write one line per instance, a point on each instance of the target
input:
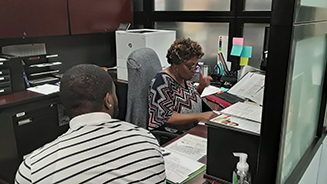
(241, 174)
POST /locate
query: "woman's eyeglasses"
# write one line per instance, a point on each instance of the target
(192, 68)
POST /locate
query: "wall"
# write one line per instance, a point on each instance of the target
(96, 48)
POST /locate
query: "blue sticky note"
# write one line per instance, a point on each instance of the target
(236, 50)
(247, 52)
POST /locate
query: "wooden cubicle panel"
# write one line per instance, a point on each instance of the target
(29, 18)
(98, 15)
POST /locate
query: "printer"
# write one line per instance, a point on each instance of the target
(130, 40)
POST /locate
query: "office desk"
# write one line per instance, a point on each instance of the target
(201, 131)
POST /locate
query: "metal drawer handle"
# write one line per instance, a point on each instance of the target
(20, 114)
(25, 121)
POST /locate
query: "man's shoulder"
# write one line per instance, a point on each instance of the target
(127, 127)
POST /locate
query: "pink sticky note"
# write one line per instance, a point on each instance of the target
(238, 41)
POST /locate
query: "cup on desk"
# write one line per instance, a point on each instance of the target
(205, 69)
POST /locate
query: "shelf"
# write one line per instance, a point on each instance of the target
(43, 80)
(40, 65)
(44, 73)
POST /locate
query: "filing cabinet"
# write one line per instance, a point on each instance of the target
(130, 40)
(24, 127)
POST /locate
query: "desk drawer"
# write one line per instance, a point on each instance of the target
(35, 128)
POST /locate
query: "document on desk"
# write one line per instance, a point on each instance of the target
(180, 169)
(245, 111)
(45, 89)
(190, 146)
(238, 123)
(209, 90)
(250, 86)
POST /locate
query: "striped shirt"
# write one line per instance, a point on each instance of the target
(96, 149)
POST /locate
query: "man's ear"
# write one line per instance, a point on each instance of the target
(108, 101)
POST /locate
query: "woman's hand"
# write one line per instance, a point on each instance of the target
(206, 116)
(204, 81)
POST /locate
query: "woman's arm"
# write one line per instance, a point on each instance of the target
(178, 118)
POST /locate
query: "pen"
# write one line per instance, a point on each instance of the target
(165, 154)
(220, 42)
(221, 106)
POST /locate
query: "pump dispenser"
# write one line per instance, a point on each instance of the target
(241, 174)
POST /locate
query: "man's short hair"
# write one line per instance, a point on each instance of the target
(83, 89)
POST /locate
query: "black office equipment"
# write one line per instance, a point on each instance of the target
(230, 98)
(264, 56)
(40, 70)
(11, 75)
(228, 81)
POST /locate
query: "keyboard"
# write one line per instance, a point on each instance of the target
(230, 98)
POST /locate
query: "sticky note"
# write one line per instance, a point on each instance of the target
(238, 41)
(247, 51)
(244, 61)
(236, 50)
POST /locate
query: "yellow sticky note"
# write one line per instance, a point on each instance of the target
(244, 61)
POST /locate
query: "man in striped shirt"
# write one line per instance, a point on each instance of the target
(96, 148)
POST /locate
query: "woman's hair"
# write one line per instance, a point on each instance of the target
(83, 88)
(183, 50)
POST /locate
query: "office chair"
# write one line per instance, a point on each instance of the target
(142, 65)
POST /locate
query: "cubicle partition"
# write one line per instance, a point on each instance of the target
(223, 141)
(295, 90)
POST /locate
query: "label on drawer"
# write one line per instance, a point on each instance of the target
(2, 78)
(20, 114)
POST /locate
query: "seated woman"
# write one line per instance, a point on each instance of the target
(175, 104)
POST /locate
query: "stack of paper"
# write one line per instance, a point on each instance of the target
(238, 123)
(181, 158)
(251, 86)
(45, 89)
(242, 116)
(244, 110)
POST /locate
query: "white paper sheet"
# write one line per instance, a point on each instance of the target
(248, 86)
(44, 89)
(245, 111)
(237, 123)
(210, 90)
(179, 168)
(190, 146)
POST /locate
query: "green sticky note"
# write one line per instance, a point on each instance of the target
(247, 52)
(244, 61)
(236, 50)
